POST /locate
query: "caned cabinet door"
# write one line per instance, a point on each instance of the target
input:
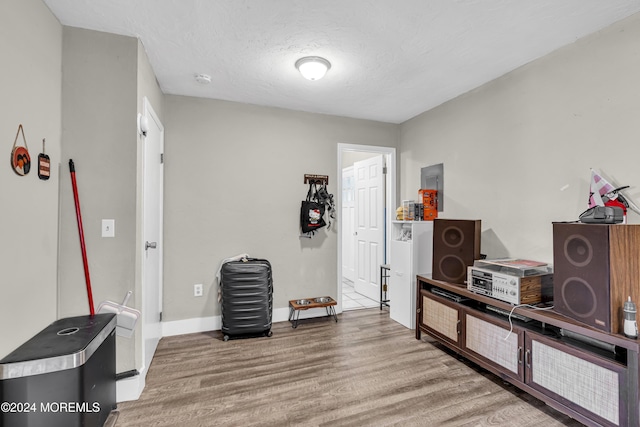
(590, 385)
(440, 318)
(491, 340)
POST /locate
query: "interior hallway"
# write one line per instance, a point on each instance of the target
(351, 300)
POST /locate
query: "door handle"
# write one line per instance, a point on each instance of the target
(150, 245)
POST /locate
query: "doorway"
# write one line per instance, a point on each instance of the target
(354, 241)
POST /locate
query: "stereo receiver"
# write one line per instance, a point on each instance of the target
(507, 282)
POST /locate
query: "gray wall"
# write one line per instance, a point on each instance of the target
(30, 47)
(517, 151)
(148, 85)
(105, 77)
(99, 133)
(350, 157)
(233, 184)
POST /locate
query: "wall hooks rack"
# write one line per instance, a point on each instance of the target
(318, 179)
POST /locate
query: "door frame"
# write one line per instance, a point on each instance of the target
(350, 273)
(390, 197)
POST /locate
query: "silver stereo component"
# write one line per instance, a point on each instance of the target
(510, 288)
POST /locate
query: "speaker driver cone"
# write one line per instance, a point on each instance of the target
(578, 250)
(453, 236)
(452, 268)
(579, 297)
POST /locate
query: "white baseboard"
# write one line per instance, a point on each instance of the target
(128, 389)
(191, 326)
(214, 323)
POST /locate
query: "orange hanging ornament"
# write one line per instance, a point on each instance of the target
(20, 159)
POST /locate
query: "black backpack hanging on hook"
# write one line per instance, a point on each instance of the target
(326, 199)
(312, 211)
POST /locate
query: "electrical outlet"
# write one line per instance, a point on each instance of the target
(197, 290)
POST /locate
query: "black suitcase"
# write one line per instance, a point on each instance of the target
(247, 298)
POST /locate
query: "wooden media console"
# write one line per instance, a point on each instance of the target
(586, 373)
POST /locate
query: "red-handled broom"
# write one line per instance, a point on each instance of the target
(72, 169)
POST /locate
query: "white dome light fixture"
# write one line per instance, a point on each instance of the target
(313, 67)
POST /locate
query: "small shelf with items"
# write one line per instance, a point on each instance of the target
(402, 231)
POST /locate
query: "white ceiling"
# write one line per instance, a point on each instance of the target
(391, 59)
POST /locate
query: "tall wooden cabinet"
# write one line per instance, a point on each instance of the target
(410, 254)
(588, 374)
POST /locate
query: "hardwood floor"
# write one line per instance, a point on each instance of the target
(365, 370)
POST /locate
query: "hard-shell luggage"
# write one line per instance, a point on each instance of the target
(247, 298)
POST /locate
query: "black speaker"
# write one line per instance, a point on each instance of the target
(456, 245)
(596, 268)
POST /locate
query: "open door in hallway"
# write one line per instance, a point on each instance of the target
(369, 225)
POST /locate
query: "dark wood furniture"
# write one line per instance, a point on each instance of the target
(588, 374)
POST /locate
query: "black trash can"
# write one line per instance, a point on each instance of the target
(65, 376)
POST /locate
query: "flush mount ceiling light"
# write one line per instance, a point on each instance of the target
(203, 79)
(313, 67)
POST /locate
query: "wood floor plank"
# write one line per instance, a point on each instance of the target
(365, 370)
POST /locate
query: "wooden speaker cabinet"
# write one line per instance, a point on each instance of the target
(596, 268)
(456, 245)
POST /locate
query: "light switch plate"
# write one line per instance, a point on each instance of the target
(108, 228)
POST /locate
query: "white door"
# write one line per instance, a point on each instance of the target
(369, 213)
(152, 190)
(348, 222)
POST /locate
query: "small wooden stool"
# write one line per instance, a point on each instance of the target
(297, 305)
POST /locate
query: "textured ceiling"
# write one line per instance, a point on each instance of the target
(391, 60)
